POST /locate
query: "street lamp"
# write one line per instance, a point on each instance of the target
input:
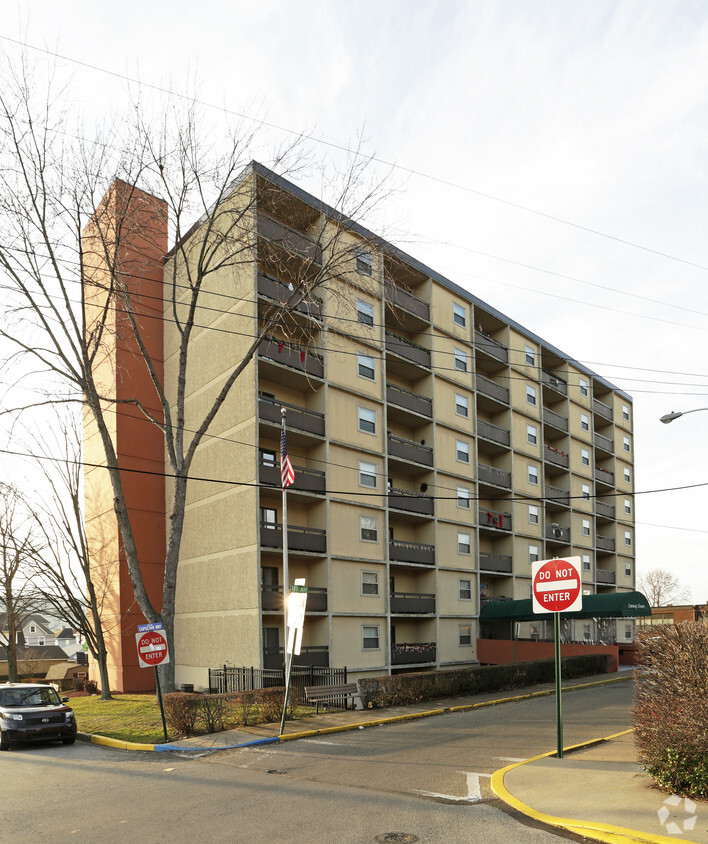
(669, 417)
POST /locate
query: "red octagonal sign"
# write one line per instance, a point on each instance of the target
(556, 585)
(152, 648)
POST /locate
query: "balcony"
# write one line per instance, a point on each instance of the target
(604, 476)
(306, 480)
(555, 420)
(408, 400)
(411, 502)
(556, 496)
(493, 476)
(411, 552)
(413, 653)
(605, 576)
(494, 519)
(271, 288)
(603, 443)
(493, 433)
(289, 240)
(602, 409)
(548, 379)
(272, 598)
(557, 458)
(410, 450)
(298, 418)
(300, 359)
(311, 540)
(490, 389)
(556, 533)
(603, 510)
(498, 563)
(316, 656)
(491, 347)
(412, 602)
(407, 350)
(400, 298)
(604, 543)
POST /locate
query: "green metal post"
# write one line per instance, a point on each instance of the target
(559, 708)
(159, 697)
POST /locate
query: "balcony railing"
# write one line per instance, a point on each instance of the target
(306, 480)
(490, 346)
(491, 389)
(555, 420)
(407, 350)
(602, 409)
(494, 476)
(556, 495)
(412, 653)
(409, 450)
(604, 443)
(604, 510)
(413, 502)
(604, 543)
(314, 655)
(492, 432)
(297, 417)
(302, 359)
(558, 458)
(604, 476)
(408, 301)
(500, 563)
(299, 538)
(411, 552)
(277, 291)
(272, 598)
(290, 240)
(494, 519)
(605, 576)
(412, 602)
(556, 533)
(555, 381)
(409, 400)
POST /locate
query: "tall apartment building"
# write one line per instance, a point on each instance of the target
(439, 449)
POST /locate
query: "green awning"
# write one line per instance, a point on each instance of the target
(606, 605)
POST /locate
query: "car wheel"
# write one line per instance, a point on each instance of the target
(4, 741)
(68, 740)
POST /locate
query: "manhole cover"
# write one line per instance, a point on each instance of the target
(396, 838)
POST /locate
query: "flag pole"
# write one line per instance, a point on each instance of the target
(286, 574)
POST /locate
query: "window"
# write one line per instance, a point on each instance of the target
(587, 631)
(365, 366)
(583, 387)
(584, 456)
(370, 637)
(530, 395)
(269, 575)
(267, 457)
(627, 631)
(586, 562)
(459, 315)
(368, 529)
(465, 635)
(364, 312)
(531, 434)
(367, 420)
(269, 518)
(533, 475)
(530, 355)
(367, 474)
(463, 497)
(364, 262)
(464, 543)
(369, 583)
(465, 587)
(586, 491)
(33, 629)
(533, 514)
(625, 443)
(460, 360)
(627, 506)
(625, 413)
(40, 640)
(627, 476)
(462, 405)
(533, 553)
(586, 527)
(463, 451)
(627, 568)
(584, 422)
(628, 537)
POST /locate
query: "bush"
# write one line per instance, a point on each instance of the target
(91, 687)
(671, 707)
(190, 714)
(79, 685)
(182, 712)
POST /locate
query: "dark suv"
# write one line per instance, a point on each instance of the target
(32, 712)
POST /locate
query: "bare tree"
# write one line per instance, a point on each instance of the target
(80, 229)
(661, 588)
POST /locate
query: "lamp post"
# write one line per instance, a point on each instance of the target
(669, 417)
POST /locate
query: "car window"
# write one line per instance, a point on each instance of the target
(43, 696)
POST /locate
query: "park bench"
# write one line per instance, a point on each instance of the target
(331, 694)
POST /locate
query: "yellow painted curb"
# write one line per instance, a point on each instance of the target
(598, 831)
(121, 745)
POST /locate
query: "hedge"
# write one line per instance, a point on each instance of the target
(189, 713)
(401, 689)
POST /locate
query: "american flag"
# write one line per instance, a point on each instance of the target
(287, 474)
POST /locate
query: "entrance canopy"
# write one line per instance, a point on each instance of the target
(605, 605)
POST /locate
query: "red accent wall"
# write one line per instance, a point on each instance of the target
(501, 651)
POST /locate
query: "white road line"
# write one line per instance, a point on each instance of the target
(474, 790)
(509, 758)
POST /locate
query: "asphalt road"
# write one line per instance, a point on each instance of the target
(427, 778)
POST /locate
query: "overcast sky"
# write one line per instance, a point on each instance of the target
(557, 149)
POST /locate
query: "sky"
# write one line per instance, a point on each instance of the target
(548, 156)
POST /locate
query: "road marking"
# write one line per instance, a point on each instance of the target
(474, 790)
(509, 758)
(322, 741)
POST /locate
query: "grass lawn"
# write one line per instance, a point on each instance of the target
(126, 717)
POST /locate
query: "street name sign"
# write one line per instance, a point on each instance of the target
(556, 585)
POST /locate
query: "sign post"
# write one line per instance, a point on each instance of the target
(295, 613)
(556, 588)
(152, 651)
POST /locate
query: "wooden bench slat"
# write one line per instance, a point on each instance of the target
(320, 694)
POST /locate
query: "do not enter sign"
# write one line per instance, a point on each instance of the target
(152, 648)
(556, 585)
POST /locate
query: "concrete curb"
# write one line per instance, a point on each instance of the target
(395, 719)
(597, 831)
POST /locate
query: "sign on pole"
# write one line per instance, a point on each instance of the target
(152, 647)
